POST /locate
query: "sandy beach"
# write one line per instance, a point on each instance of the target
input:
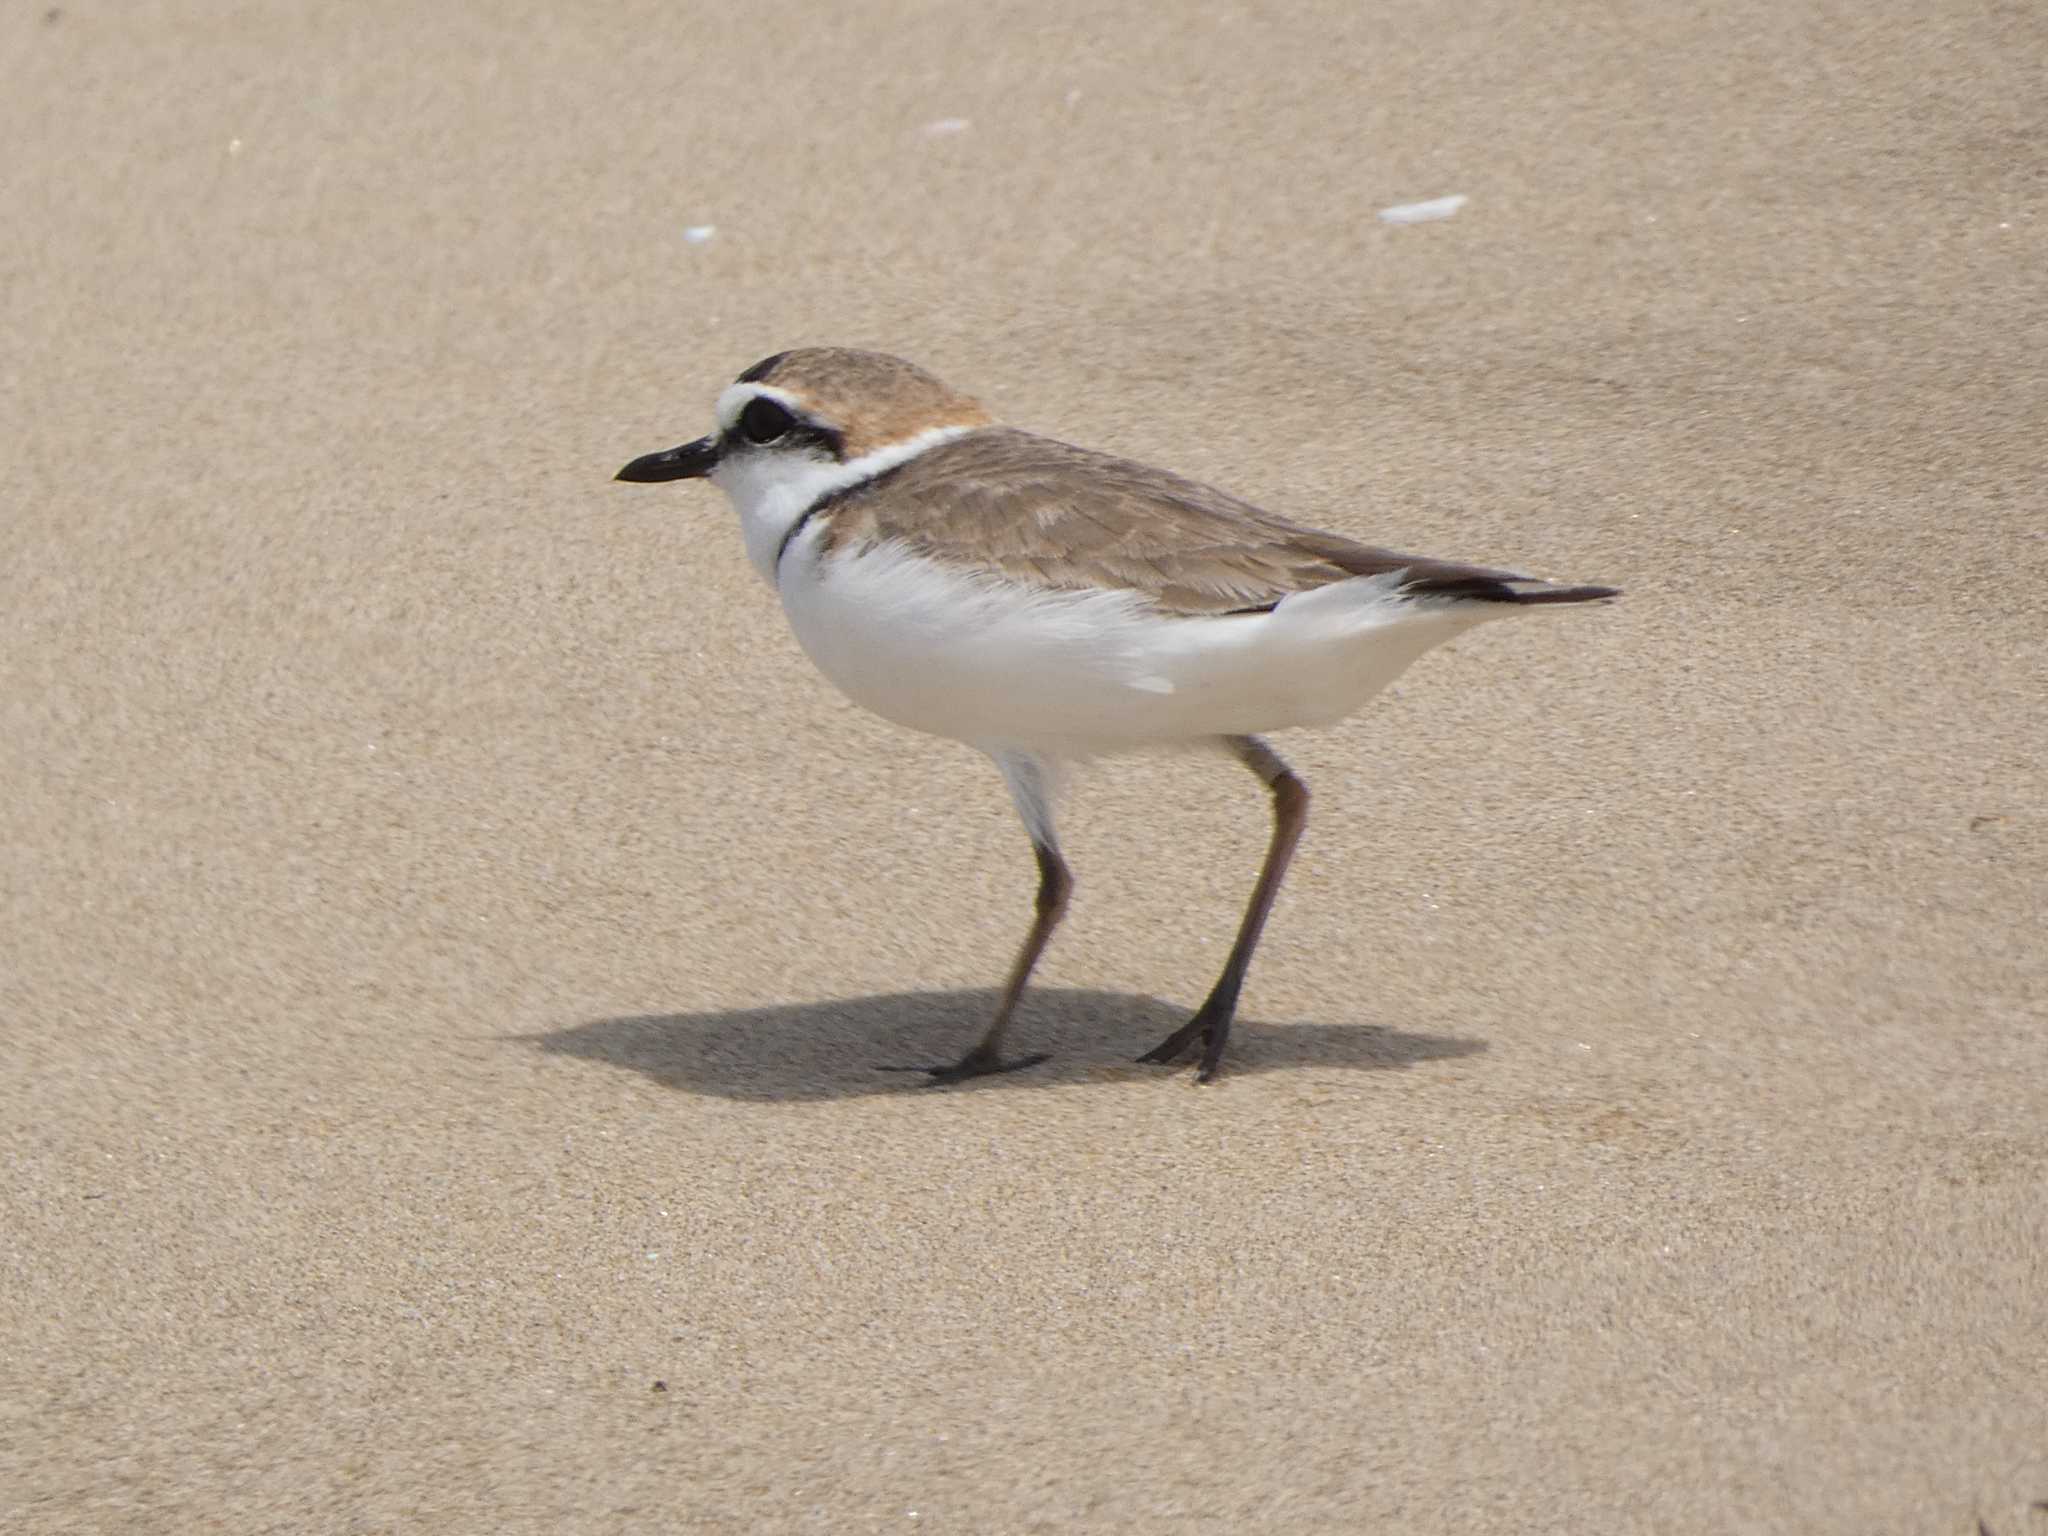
(449, 933)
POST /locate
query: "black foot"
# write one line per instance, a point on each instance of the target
(1211, 1027)
(979, 1062)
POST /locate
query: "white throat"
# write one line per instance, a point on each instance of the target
(772, 492)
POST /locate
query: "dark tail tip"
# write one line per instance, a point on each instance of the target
(1522, 591)
(1562, 595)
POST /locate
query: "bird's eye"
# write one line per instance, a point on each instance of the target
(763, 420)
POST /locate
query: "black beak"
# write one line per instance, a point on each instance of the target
(692, 461)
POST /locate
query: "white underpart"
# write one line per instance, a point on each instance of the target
(771, 489)
(1012, 668)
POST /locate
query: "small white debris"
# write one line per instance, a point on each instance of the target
(699, 234)
(1422, 213)
(938, 128)
(234, 146)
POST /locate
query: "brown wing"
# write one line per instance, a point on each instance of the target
(1046, 511)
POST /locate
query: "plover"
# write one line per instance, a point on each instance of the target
(1047, 604)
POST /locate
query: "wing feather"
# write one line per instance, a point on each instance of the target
(1048, 512)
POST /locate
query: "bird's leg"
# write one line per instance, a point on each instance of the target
(1290, 813)
(1032, 782)
(1055, 884)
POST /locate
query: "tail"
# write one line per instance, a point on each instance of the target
(1470, 584)
(1420, 576)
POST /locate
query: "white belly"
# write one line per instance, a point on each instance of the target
(1076, 674)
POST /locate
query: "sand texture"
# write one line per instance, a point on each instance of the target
(448, 932)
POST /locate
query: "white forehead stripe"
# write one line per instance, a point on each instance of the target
(735, 399)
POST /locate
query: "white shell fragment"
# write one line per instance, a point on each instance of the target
(698, 234)
(1422, 213)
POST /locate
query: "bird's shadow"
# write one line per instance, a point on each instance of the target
(841, 1049)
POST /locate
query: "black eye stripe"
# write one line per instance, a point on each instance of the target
(823, 438)
(765, 420)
